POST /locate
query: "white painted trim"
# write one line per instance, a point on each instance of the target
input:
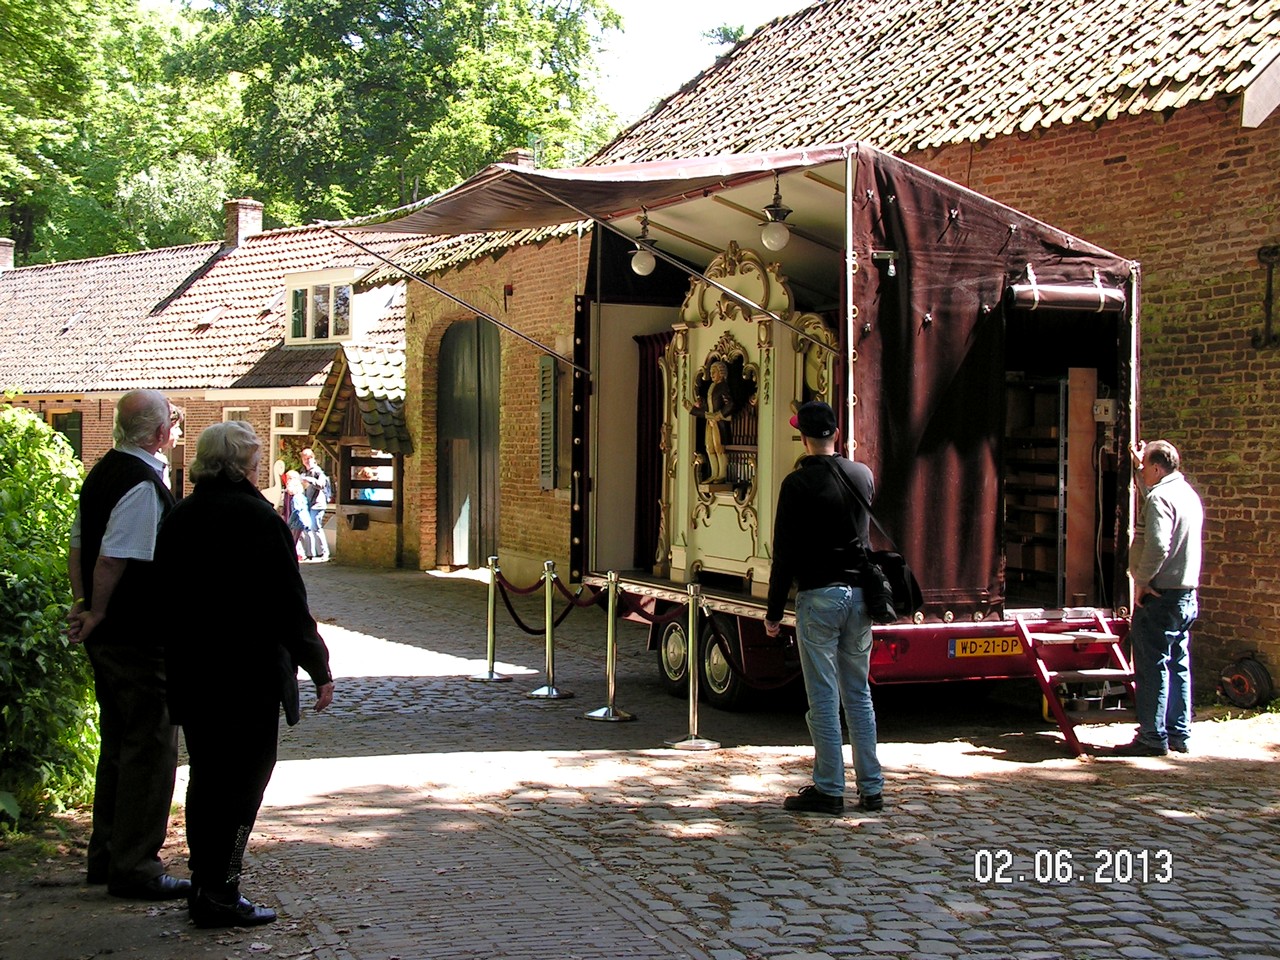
(262, 393)
(1261, 95)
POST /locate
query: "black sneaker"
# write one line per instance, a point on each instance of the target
(1179, 746)
(871, 802)
(812, 800)
(1138, 748)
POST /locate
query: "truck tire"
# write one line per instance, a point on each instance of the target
(673, 659)
(719, 685)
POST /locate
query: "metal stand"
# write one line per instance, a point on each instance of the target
(693, 741)
(550, 691)
(608, 711)
(489, 676)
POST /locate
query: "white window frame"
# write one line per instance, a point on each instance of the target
(234, 413)
(278, 430)
(304, 286)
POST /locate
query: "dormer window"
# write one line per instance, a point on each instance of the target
(320, 311)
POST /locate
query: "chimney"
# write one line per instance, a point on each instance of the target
(244, 218)
(6, 254)
(520, 156)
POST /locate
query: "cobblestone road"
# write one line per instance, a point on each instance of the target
(428, 816)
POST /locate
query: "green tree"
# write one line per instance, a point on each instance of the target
(42, 89)
(351, 106)
(724, 34)
(48, 718)
(128, 151)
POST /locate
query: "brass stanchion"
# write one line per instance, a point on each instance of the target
(550, 691)
(608, 711)
(489, 675)
(693, 741)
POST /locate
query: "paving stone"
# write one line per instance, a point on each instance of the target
(423, 803)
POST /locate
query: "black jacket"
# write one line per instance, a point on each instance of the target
(238, 625)
(815, 534)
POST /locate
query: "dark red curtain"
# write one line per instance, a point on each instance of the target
(649, 436)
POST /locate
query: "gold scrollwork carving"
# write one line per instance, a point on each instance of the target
(818, 357)
(747, 275)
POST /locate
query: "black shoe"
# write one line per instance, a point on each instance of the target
(812, 800)
(160, 887)
(1138, 748)
(1179, 746)
(871, 801)
(208, 913)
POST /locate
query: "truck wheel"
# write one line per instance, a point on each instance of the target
(721, 685)
(673, 659)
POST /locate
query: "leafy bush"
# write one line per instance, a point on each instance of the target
(48, 716)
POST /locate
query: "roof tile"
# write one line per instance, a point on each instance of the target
(929, 73)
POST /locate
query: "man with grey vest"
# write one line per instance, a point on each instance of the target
(116, 588)
(1165, 565)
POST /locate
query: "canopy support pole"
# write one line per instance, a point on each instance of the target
(460, 302)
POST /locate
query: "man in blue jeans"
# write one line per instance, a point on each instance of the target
(818, 533)
(1165, 564)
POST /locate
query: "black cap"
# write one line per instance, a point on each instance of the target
(815, 419)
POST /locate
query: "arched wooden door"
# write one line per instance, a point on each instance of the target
(467, 459)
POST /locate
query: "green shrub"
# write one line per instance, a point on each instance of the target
(48, 716)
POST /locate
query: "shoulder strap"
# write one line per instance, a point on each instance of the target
(848, 486)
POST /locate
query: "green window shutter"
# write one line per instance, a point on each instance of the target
(298, 314)
(547, 422)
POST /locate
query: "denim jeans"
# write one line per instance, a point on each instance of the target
(833, 630)
(1161, 639)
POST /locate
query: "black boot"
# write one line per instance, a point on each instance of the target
(207, 912)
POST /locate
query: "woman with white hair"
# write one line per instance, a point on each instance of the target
(246, 631)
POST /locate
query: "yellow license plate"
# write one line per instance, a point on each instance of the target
(984, 647)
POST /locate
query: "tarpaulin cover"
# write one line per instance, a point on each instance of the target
(929, 374)
(509, 197)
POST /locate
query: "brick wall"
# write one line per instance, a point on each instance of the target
(533, 523)
(98, 415)
(1192, 197)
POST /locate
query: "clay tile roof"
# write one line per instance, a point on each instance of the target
(365, 392)
(925, 73)
(429, 255)
(63, 324)
(228, 328)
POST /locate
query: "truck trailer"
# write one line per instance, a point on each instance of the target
(981, 362)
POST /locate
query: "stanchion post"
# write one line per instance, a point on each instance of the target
(608, 711)
(489, 675)
(693, 741)
(550, 691)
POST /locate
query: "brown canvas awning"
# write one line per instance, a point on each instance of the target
(505, 196)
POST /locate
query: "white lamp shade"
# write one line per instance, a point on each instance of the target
(643, 262)
(775, 235)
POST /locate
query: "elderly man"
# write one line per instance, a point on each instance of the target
(1165, 565)
(115, 585)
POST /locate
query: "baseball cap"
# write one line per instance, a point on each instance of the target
(815, 419)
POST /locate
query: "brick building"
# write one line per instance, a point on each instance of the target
(246, 329)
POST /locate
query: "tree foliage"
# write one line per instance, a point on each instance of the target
(106, 143)
(351, 106)
(48, 718)
(125, 127)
